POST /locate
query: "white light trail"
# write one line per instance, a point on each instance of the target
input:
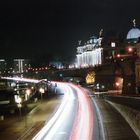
(21, 79)
(69, 122)
(61, 116)
(83, 125)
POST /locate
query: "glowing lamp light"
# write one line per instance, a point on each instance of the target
(19, 100)
(41, 90)
(130, 49)
(28, 91)
(113, 44)
(90, 78)
(117, 84)
(118, 55)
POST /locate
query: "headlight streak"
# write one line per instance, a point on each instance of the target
(21, 79)
(50, 129)
(83, 125)
(82, 122)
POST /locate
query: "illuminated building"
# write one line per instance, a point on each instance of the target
(132, 38)
(56, 64)
(20, 65)
(16, 66)
(133, 34)
(89, 54)
(133, 49)
(116, 60)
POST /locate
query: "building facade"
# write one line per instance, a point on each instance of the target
(14, 67)
(89, 54)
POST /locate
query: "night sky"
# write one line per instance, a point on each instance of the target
(53, 27)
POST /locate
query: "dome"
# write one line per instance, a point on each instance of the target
(134, 33)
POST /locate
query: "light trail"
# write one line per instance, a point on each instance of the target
(21, 79)
(74, 118)
(60, 117)
(83, 125)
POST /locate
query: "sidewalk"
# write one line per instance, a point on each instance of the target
(24, 127)
(116, 128)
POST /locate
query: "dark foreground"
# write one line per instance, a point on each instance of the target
(25, 125)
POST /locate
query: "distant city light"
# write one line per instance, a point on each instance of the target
(117, 84)
(130, 49)
(118, 55)
(18, 99)
(113, 44)
(41, 90)
(28, 91)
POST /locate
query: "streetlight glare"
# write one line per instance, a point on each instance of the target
(130, 49)
(28, 91)
(41, 90)
(18, 99)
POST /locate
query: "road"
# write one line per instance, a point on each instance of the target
(75, 115)
(74, 119)
(81, 116)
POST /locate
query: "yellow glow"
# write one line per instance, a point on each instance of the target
(117, 84)
(90, 78)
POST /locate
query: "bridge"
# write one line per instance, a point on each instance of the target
(107, 74)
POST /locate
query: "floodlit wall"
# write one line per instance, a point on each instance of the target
(90, 58)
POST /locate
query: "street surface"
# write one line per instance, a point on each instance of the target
(74, 114)
(74, 119)
(114, 125)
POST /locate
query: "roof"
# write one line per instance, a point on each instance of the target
(133, 33)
